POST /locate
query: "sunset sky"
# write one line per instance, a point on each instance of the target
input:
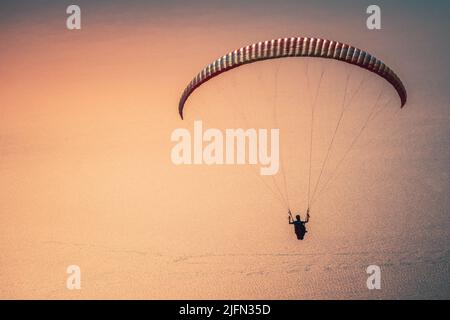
(86, 178)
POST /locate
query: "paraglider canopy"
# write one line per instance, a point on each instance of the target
(294, 47)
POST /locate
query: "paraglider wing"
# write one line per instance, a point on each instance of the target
(294, 47)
